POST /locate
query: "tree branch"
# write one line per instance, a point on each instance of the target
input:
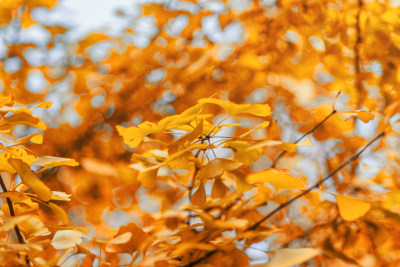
(283, 153)
(12, 213)
(318, 184)
(315, 186)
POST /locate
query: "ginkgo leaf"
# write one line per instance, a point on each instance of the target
(27, 119)
(219, 189)
(351, 209)
(30, 179)
(121, 239)
(136, 241)
(60, 212)
(50, 162)
(133, 136)
(216, 168)
(289, 147)
(64, 239)
(199, 197)
(14, 152)
(233, 109)
(148, 177)
(290, 256)
(242, 153)
(36, 138)
(364, 116)
(10, 223)
(280, 180)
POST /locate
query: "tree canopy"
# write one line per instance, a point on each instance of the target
(202, 133)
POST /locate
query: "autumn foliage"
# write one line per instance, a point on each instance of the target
(204, 133)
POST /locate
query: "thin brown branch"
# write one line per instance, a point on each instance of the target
(283, 153)
(328, 176)
(12, 213)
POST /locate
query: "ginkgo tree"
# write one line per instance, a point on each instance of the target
(202, 133)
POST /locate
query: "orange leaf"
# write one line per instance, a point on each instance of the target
(219, 189)
(199, 197)
(148, 177)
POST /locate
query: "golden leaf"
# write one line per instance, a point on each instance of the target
(30, 179)
(280, 180)
(351, 209)
(50, 162)
(262, 110)
(219, 189)
(148, 177)
(60, 212)
(199, 197)
(14, 152)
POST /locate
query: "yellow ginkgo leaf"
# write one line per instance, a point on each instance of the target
(148, 177)
(199, 197)
(60, 212)
(30, 179)
(290, 256)
(219, 189)
(262, 110)
(14, 152)
(280, 180)
(50, 162)
(133, 136)
(217, 167)
(365, 116)
(289, 147)
(64, 239)
(351, 209)
(36, 138)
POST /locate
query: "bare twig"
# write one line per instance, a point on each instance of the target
(302, 137)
